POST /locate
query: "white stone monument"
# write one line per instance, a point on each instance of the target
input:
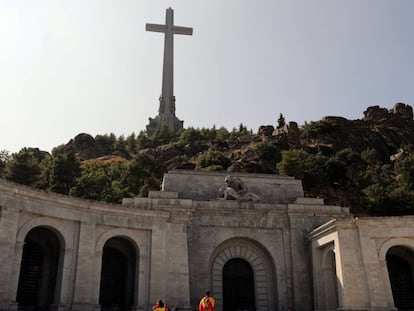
(166, 112)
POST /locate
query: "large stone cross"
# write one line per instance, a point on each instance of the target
(166, 112)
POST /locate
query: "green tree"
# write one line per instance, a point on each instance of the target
(193, 141)
(377, 181)
(208, 134)
(222, 134)
(23, 168)
(243, 129)
(345, 169)
(293, 163)
(266, 150)
(131, 144)
(4, 158)
(162, 136)
(141, 175)
(402, 186)
(344, 176)
(190, 135)
(46, 168)
(64, 169)
(142, 141)
(120, 146)
(311, 169)
(213, 160)
(404, 168)
(105, 144)
(94, 184)
(101, 180)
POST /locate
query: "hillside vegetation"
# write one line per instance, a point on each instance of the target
(366, 164)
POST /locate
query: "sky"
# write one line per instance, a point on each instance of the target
(88, 66)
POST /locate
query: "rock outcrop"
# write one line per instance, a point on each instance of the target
(385, 130)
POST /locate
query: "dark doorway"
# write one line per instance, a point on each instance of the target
(400, 263)
(38, 270)
(118, 275)
(238, 286)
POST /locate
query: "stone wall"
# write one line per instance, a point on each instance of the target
(83, 228)
(205, 185)
(182, 236)
(359, 247)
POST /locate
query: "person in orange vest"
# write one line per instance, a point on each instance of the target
(207, 303)
(159, 306)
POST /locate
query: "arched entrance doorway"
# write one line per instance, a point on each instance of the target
(255, 264)
(118, 275)
(400, 264)
(238, 286)
(39, 270)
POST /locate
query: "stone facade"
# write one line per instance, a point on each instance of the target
(182, 240)
(354, 257)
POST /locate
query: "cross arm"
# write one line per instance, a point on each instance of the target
(155, 27)
(182, 30)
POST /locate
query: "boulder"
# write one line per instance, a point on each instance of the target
(402, 111)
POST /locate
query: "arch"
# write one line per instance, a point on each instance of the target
(40, 270)
(122, 246)
(63, 230)
(400, 266)
(382, 252)
(260, 261)
(118, 274)
(325, 250)
(53, 224)
(118, 232)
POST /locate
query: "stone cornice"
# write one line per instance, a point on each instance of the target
(28, 196)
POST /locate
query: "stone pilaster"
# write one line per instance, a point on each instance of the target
(8, 233)
(86, 283)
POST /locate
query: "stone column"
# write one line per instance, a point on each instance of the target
(158, 280)
(169, 265)
(352, 291)
(10, 256)
(377, 278)
(86, 283)
(300, 259)
(65, 279)
(142, 282)
(178, 289)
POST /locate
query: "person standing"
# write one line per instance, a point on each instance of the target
(207, 303)
(159, 306)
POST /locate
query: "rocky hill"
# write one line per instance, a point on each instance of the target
(386, 131)
(367, 164)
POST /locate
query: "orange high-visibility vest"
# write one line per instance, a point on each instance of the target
(157, 308)
(207, 303)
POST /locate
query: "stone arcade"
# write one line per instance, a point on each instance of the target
(280, 249)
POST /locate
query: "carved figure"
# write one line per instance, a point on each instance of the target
(235, 189)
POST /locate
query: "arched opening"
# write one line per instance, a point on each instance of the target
(400, 264)
(39, 270)
(258, 260)
(238, 286)
(118, 275)
(330, 281)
